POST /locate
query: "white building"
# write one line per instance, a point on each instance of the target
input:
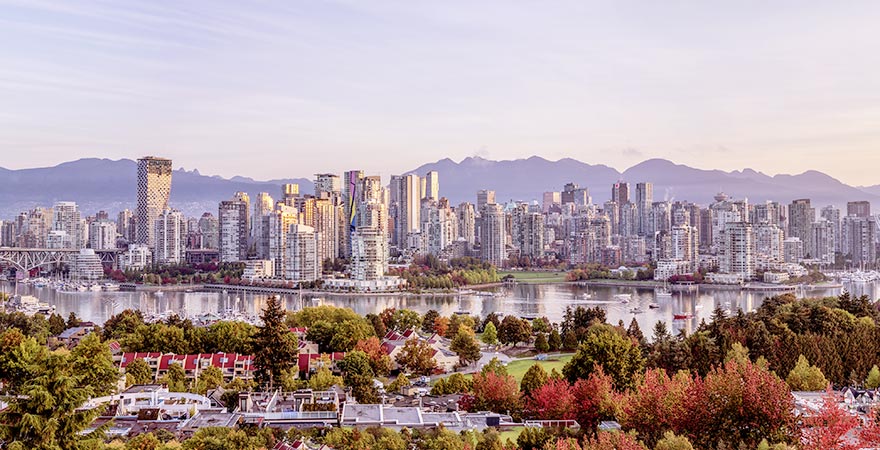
(138, 256)
(255, 269)
(102, 235)
(233, 235)
(737, 256)
(302, 259)
(67, 218)
(493, 237)
(170, 238)
(369, 254)
(87, 265)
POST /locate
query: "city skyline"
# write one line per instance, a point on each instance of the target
(780, 88)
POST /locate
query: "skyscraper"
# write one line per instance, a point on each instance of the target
(170, 235)
(800, 218)
(858, 209)
(484, 197)
(432, 185)
(232, 217)
(68, 221)
(301, 260)
(153, 192)
(467, 223)
(644, 199)
(620, 192)
(492, 235)
(737, 255)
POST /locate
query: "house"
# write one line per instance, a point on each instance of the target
(308, 363)
(393, 342)
(71, 336)
(232, 365)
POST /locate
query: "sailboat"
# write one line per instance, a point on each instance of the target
(663, 292)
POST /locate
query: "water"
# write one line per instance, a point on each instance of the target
(548, 300)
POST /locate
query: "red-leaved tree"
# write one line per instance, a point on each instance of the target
(595, 400)
(657, 405)
(493, 392)
(552, 401)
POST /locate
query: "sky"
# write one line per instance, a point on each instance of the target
(291, 88)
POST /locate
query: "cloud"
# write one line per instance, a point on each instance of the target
(631, 152)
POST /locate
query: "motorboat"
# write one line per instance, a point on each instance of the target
(682, 316)
(636, 310)
(653, 305)
(623, 298)
(110, 286)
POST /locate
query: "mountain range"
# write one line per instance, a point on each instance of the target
(110, 185)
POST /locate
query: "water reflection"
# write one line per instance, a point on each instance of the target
(548, 300)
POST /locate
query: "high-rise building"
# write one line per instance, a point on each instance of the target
(684, 243)
(8, 232)
(859, 240)
(620, 192)
(644, 200)
(793, 249)
(209, 229)
(233, 230)
(550, 199)
(432, 185)
(528, 232)
(484, 197)
(102, 235)
(822, 241)
(351, 199)
(153, 192)
(369, 257)
(170, 236)
(832, 214)
(302, 258)
(263, 205)
(800, 219)
(406, 207)
(492, 235)
(68, 220)
(467, 224)
(737, 256)
(278, 223)
(327, 183)
(769, 242)
(289, 192)
(858, 209)
(125, 225)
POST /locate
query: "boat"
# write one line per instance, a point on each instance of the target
(653, 305)
(682, 316)
(29, 305)
(95, 287)
(110, 286)
(159, 294)
(623, 298)
(636, 310)
(663, 292)
(586, 296)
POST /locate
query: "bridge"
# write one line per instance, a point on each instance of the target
(26, 259)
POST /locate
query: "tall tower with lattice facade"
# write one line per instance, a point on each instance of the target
(153, 191)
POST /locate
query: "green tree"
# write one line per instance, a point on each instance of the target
(323, 379)
(399, 383)
(873, 380)
(672, 442)
(56, 324)
(47, 414)
(541, 343)
(495, 366)
(617, 354)
(91, 359)
(138, 372)
(405, 319)
(175, 378)
(358, 375)
(490, 334)
(276, 347)
(428, 321)
(465, 346)
(554, 343)
(533, 379)
(210, 378)
(805, 377)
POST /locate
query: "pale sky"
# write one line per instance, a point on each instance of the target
(290, 88)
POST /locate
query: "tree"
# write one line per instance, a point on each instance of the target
(607, 440)
(428, 321)
(175, 378)
(56, 325)
(138, 372)
(494, 365)
(656, 405)
(552, 400)
(276, 347)
(554, 343)
(380, 362)
(465, 346)
(512, 331)
(406, 319)
(358, 375)
(873, 380)
(92, 361)
(323, 379)
(672, 442)
(541, 343)
(805, 377)
(47, 414)
(417, 357)
(441, 326)
(620, 358)
(534, 378)
(830, 428)
(493, 392)
(399, 383)
(490, 334)
(210, 378)
(595, 400)
(73, 320)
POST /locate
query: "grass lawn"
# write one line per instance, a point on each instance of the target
(519, 368)
(511, 434)
(535, 277)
